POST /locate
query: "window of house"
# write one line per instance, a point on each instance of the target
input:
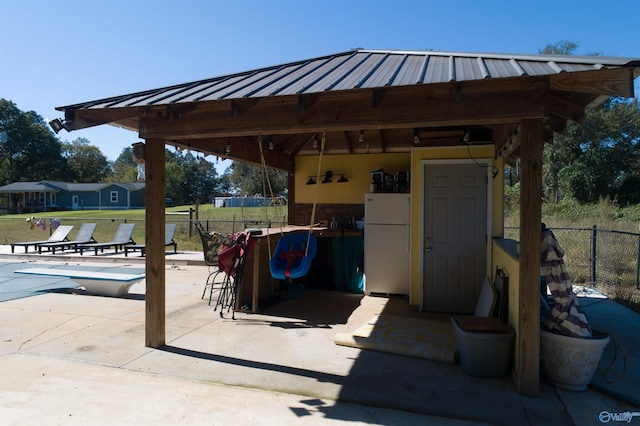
(41, 197)
(114, 196)
(53, 199)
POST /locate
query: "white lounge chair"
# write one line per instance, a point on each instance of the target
(85, 236)
(58, 235)
(170, 229)
(122, 238)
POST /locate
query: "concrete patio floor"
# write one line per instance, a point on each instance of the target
(80, 359)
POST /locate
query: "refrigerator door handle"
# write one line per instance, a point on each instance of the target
(408, 224)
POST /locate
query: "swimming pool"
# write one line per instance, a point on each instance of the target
(16, 286)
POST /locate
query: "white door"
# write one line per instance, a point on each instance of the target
(74, 202)
(455, 236)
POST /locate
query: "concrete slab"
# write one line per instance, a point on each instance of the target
(81, 359)
(619, 370)
(59, 391)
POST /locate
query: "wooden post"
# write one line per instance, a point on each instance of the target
(154, 240)
(528, 335)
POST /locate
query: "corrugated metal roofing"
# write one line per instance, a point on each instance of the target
(359, 69)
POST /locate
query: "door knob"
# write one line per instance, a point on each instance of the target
(427, 250)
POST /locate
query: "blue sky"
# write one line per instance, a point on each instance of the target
(59, 52)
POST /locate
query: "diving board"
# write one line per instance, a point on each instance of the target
(101, 283)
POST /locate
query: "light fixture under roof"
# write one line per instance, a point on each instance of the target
(328, 178)
(56, 125)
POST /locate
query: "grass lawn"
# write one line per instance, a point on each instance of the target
(16, 227)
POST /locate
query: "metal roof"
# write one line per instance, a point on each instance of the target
(402, 99)
(360, 69)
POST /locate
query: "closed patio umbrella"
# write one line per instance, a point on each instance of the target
(566, 317)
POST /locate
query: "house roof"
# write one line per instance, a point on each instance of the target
(55, 186)
(18, 187)
(130, 186)
(399, 98)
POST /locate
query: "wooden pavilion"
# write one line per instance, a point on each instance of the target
(399, 101)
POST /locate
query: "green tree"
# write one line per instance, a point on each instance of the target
(224, 182)
(557, 156)
(603, 154)
(175, 182)
(597, 158)
(248, 180)
(86, 162)
(189, 178)
(29, 151)
(560, 48)
(124, 168)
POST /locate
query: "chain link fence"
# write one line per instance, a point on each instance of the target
(605, 259)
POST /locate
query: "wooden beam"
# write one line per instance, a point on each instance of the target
(440, 133)
(564, 108)
(243, 149)
(346, 111)
(610, 82)
(528, 332)
(500, 135)
(382, 140)
(154, 240)
(82, 119)
(293, 144)
(556, 123)
(349, 142)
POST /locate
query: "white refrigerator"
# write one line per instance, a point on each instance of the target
(387, 243)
